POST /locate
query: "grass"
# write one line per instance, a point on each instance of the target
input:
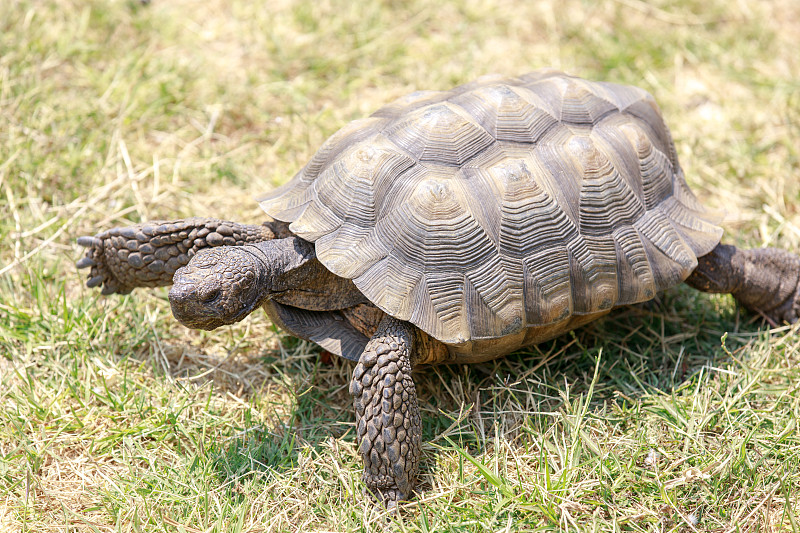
(680, 415)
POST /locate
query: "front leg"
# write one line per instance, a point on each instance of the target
(148, 254)
(387, 415)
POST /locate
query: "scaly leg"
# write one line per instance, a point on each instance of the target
(764, 280)
(387, 415)
(147, 255)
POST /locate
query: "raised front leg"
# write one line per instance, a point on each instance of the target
(387, 415)
(148, 254)
(764, 280)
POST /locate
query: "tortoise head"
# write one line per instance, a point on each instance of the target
(218, 287)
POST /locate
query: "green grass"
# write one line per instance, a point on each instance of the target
(679, 415)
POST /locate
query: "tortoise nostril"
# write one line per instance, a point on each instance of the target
(179, 293)
(210, 296)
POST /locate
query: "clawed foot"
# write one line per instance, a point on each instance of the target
(144, 255)
(389, 498)
(100, 274)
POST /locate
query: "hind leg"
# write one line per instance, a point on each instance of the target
(148, 254)
(764, 280)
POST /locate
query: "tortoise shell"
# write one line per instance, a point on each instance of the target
(504, 208)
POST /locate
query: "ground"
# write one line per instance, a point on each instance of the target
(680, 415)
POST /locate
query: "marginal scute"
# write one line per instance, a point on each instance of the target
(446, 292)
(548, 292)
(660, 232)
(391, 282)
(686, 197)
(593, 260)
(698, 230)
(350, 250)
(504, 211)
(494, 303)
(633, 266)
(313, 219)
(484, 320)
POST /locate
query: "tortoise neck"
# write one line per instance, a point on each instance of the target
(292, 275)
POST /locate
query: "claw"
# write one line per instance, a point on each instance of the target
(108, 289)
(85, 262)
(88, 241)
(95, 281)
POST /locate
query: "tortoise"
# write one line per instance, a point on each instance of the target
(454, 227)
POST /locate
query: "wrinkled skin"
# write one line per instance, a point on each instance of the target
(223, 285)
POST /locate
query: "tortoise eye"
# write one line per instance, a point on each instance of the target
(210, 296)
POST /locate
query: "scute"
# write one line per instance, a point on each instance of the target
(513, 208)
(440, 133)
